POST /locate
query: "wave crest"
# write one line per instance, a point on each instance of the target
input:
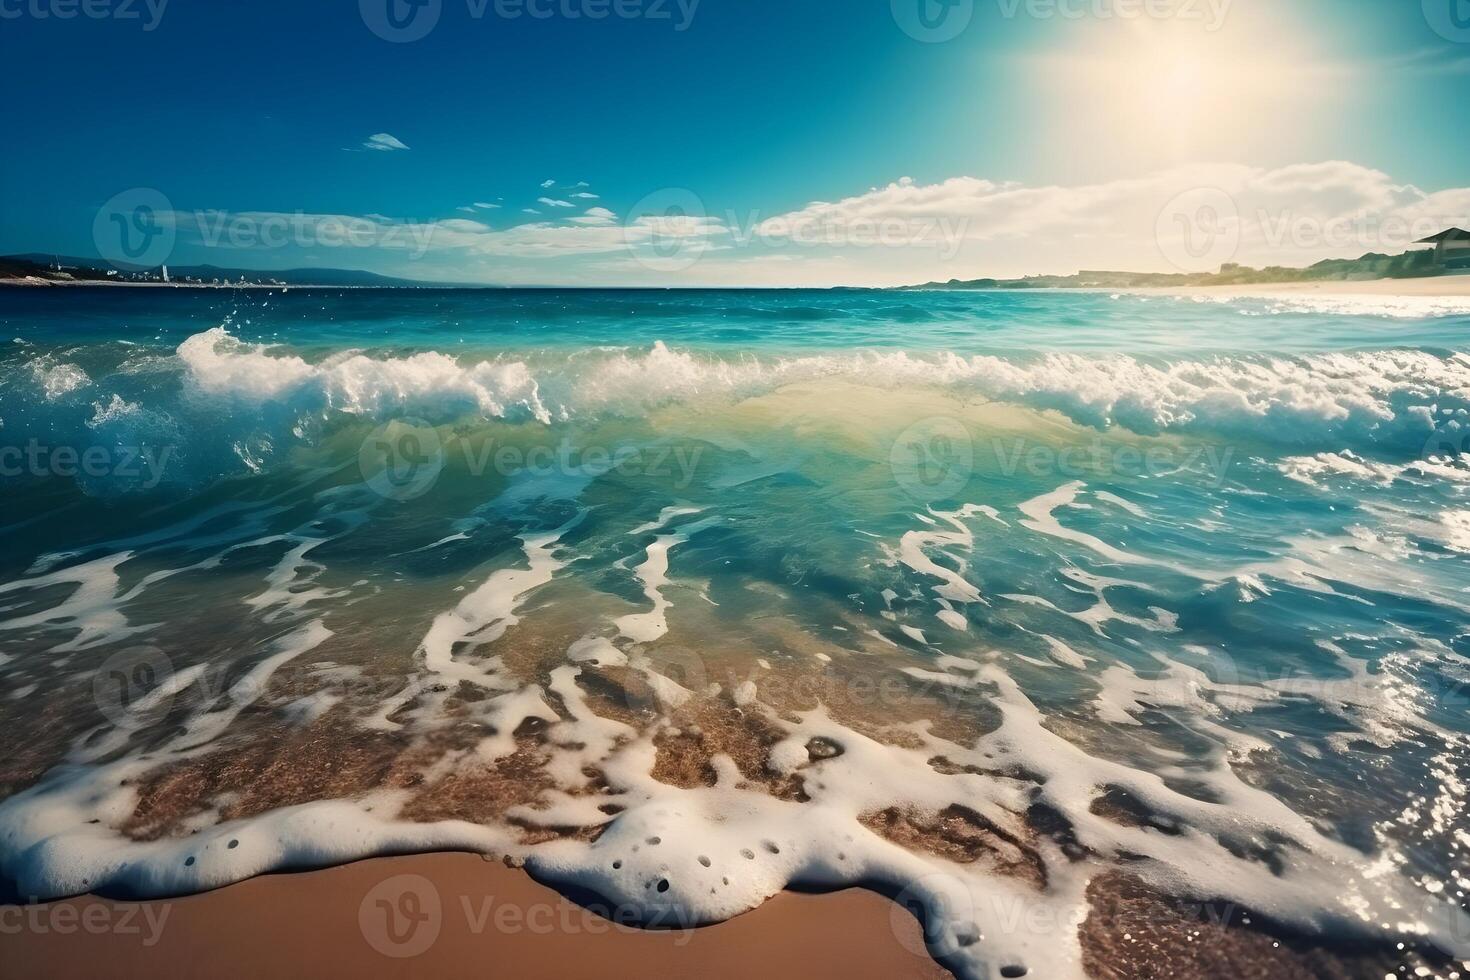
(218, 365)
(218, 392)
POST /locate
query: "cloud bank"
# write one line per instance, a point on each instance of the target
(1187, 218)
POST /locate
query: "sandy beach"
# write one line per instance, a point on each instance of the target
(459, 915)
(1445, 286)
(446, 915)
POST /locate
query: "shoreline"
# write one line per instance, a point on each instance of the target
(453, 914)
(449, 915)
(1430, 286)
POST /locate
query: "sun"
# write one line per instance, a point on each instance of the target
(1158, 92)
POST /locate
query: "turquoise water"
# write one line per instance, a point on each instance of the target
(742, 320)
(1219, 548)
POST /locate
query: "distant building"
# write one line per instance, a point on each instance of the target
(1451, 248)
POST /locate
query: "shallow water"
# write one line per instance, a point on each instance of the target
(792, 583)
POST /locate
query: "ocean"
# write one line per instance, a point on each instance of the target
(682, 598)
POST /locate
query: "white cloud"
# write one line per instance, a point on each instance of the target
(1292, 215)
(583, 195)
(908, 232)
(464, 226)
(596, 233)
(683, 226)
(553, 203)
(385, 142)
(595, 216)
(466, 210)
(548, 184)
(484, 206)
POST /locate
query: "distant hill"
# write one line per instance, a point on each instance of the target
(1370, 266)
(76, 271)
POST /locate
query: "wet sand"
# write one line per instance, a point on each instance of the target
(462, 915)
(442, 916)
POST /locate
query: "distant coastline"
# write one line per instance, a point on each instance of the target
(1410, 274)
(1373, 266)
(41, 271)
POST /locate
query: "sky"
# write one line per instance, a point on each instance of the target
(731, 142)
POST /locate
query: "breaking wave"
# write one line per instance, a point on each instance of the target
(231, 406)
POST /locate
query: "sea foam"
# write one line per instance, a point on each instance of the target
(226, 406)
(686, 855)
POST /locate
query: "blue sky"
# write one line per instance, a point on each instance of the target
(1043, 136)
